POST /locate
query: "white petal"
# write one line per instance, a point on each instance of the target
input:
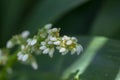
(50, 42)
(69, 42)
(48, 26)
(25, 34)
(43, 47)
(62, 50)
(9, 44)
(51, 52)
(33, 42)
(65, 38)
(46, 51)
(25, 57)
(57, 42)
(22, 47)
(43, 43)
(34, 65)
(74, 38)
(79, 49)
(19, 53)
(65, 52)
(20, 57)
(73, 51)
(53, 38)
(54, 30)
(29, 41)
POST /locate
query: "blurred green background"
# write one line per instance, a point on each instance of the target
(96, 23)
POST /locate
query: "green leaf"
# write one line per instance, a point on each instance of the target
(99, 61)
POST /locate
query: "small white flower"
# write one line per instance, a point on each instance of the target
(20, 56)
(53, 38)
(69, 42)
(43, 43)
(50, 42)
(25, 57)
(9, 44)
(57, 43)
(34, 65)
(33, 42)
(25, 34)
(51, 52)
(48, 26)
(73, 51)
(54, 30)
(19, 53)
(43, 47)
(29, 41)
(22, 47)
(46, 51)
(65, 37)
(62, 50)
(79, 49)
(74, 38)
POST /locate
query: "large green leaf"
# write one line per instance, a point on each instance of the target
(100, 61)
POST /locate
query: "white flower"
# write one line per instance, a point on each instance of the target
(33, 42)
(25, 57)
(57, 43)
(43, 43)
(69, 42)
(50, 42)
(43, 47)
(25, 34)
(20, 55)
(29, 41)
(62, 50)
(79, 49)
(74, 38)
(73, 51)
(10, 44)
(46, 51)
(65, 37)
(53, 38)
(34, 65)
(48, 26)
(54, 30)
(22, 47)
(51, 52)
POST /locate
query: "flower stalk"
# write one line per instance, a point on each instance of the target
(46, 41)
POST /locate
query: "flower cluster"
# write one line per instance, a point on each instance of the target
(46, 41)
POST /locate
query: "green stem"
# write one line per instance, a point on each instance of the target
(11, 61)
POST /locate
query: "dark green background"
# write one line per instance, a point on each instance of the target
(84, 19)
